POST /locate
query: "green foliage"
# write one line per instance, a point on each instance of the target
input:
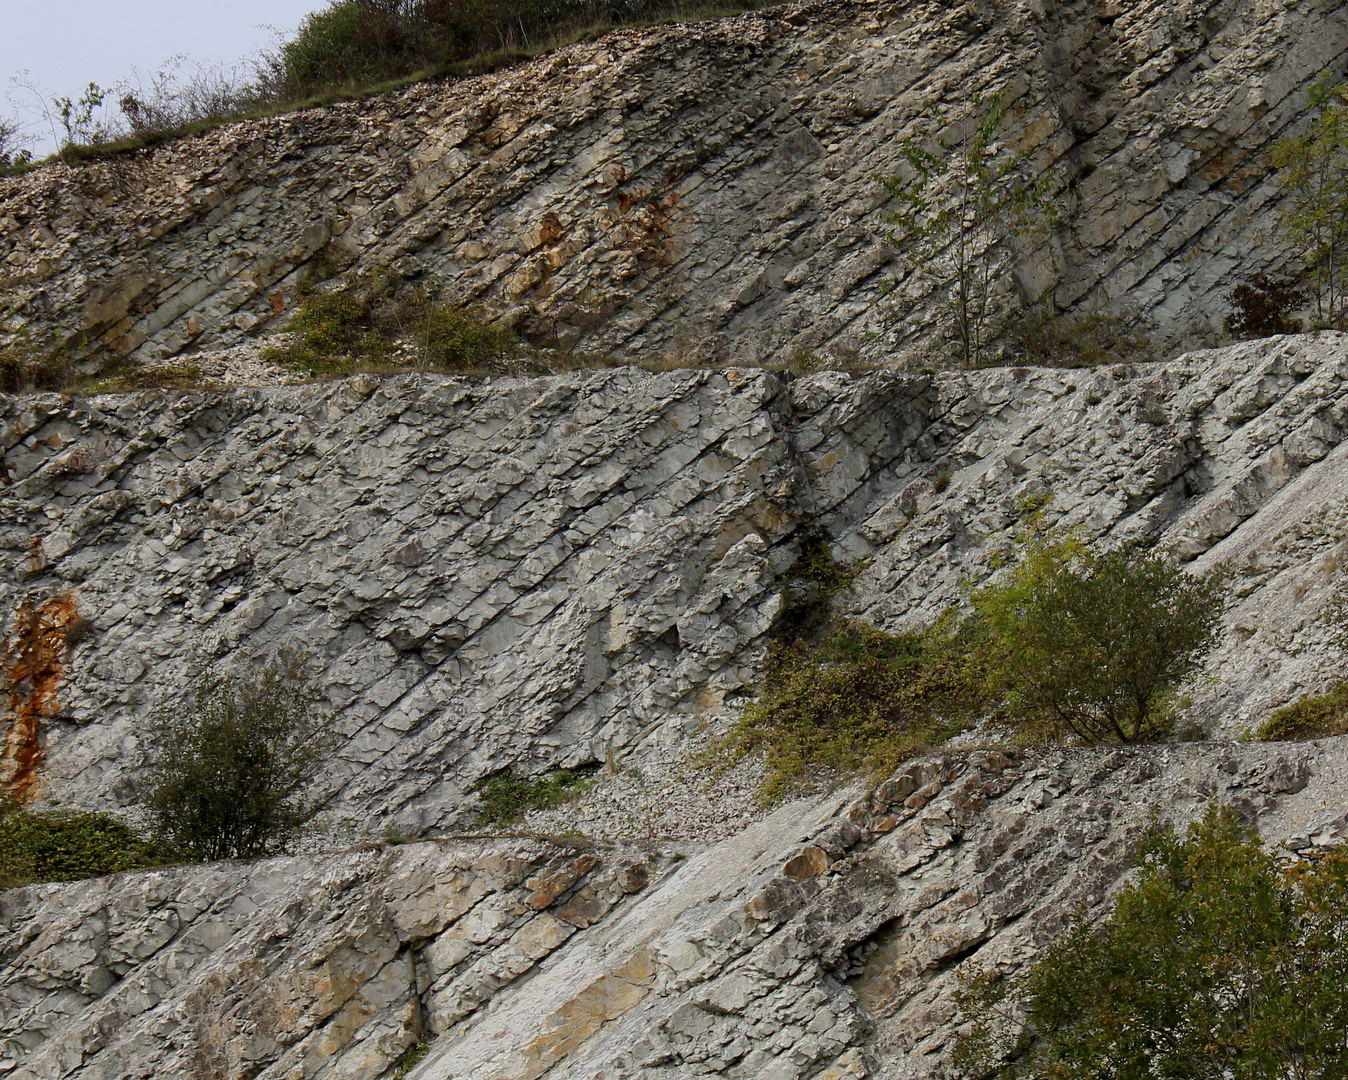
(506, 798)
(1094, 646)
(854, 698)
(13, 154)
(1314, 716)
(228, 775)
(962, 206)
(63, 845)
(336, 44)
(1314, 173)
(355, 41)
(375, 320)
(409, 1059)
(1216, 963)
(1077, 341)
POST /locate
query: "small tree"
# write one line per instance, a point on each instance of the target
(1314, 173)
(1094, 646)
(960, 210)
(228, 775)
(1217, 963)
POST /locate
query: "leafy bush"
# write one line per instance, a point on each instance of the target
(856, 698)
(228, 775)
(1314, 173)
(1093, 646)
(13, 153)
(371, 320)
(507, 798)
(1263, 307)
(64, 845)
(1315, 716)
(1217, 963)
(359, 41)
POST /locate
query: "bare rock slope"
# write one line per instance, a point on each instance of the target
(708, 186)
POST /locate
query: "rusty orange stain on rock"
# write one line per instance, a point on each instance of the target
(34, 662)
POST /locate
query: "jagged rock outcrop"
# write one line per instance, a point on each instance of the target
(532, 573)
(706, 187)
(824, 942)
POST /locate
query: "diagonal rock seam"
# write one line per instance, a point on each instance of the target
(553, 571)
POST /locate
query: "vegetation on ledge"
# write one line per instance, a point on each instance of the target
(1067, 646)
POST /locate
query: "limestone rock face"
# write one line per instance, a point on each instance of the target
(708, 187)
(822, 942)
(581, 568)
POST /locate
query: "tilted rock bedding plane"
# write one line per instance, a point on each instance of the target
(585, 569)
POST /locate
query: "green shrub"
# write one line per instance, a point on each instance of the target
(374, 321)
(228, 774)
(1093, 647)
(1216, 963)
(1314, 716)
(507, 798)
(64, 845)
(857, 699)
(335, 45)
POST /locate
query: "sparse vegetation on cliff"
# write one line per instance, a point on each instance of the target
(963, 206)
(376, 319)
(1218, 961)
(858, 699)
(1314, 173)
(227, 774)
(1069, 645)
(1314, 716)
(506, 798)
(56, 844)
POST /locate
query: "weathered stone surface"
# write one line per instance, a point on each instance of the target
(707, 187)
(580, 568)
(728, 963)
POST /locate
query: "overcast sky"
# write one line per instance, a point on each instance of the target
(66, 44)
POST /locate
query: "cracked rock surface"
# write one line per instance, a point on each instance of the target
(581, 568)
(706, 187)
(822, 942)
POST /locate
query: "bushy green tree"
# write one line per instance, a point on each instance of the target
(1216, 963)
(228, 774)
(1094, 646)
(1314, 173)
(961, 207)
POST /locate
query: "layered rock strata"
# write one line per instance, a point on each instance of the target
(825, 942)
(533, 573)
(704, 187)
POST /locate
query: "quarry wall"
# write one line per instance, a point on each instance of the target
(582, 568)
(824, 941)
(707, 188)
(528, 573)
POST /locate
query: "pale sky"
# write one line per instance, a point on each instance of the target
(65, 44)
